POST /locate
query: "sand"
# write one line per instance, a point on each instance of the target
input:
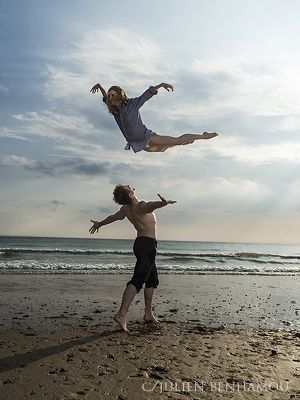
(235, 337)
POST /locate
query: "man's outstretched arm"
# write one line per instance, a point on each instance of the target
(150, 206)
(111, 218)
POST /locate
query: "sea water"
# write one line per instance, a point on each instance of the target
(90, 255)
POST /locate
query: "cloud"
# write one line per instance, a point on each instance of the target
(213, 193)
(235, 94)
(289, 123)
(53, 125)
(258, 87)
(62, 166)
(11, 134)
(17, 161)
(73, 166)
(232, 83)
(257, 154)
(250, 101)
(3, 89)
(113, 57)
(51, 205)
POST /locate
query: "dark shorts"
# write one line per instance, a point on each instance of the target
(141, 144)
(145, 271)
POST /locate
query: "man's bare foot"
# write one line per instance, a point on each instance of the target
(150, 318)
(121, 321)
(209, 135)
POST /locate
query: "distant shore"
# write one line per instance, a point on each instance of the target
(218, 335)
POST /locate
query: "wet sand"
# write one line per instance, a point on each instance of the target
(219, 337)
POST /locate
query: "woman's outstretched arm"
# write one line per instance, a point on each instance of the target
(153, 90)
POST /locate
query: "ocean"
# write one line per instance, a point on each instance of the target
(69, 255)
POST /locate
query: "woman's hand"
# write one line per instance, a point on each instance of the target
(167, 86)
(96, 88)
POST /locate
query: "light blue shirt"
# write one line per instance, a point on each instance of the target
(130, 122)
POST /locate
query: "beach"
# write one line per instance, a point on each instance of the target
(219, 336)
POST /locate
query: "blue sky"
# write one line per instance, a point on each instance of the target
(235, 69)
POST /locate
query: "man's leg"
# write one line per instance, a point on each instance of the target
(148, 295)
(128, 296)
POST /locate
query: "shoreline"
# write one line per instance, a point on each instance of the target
(161, 272)
(250, 301)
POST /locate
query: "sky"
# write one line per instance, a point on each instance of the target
(235, 70)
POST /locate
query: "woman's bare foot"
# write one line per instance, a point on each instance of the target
(121, 321)
(209, 135)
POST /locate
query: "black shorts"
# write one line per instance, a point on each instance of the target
(145, 271)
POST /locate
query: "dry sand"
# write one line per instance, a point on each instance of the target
(235, 337)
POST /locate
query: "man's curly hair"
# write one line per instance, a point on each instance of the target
(121, 195)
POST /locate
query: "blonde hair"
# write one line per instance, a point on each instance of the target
(121, 96)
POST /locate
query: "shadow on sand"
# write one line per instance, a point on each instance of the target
(19, 360)
(23, 359)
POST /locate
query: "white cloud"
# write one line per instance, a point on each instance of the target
(53, 124)
(72, 135)
(259, 154)
(13, 134)
(112, 54)
(289, 123)
(232, 85)
(16, 161)
(215, 193)
(239, 85)
(238, 93)
(109, 57)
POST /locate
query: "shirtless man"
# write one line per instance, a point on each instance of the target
(141, 215)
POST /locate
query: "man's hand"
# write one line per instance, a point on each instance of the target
(165, 200)
(95, 227)
(96, 88)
